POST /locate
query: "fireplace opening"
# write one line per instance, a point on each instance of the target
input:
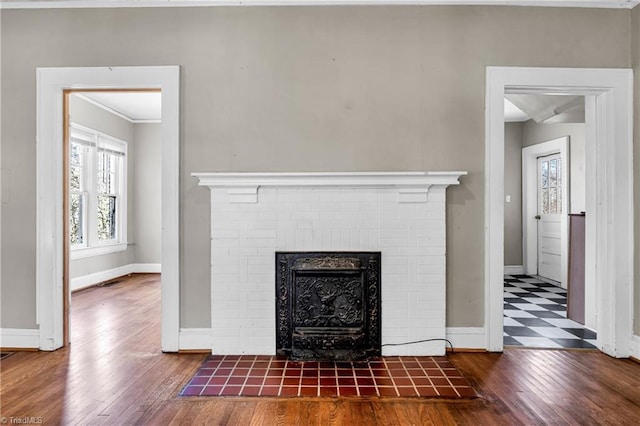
(328, 305)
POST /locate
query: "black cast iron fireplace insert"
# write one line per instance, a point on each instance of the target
(328, 305)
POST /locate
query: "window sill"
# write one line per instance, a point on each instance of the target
(82, 253)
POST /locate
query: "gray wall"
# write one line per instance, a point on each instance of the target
(297, 88)
(147, 197)
(96, 118)
(635, 55)
(534, 133)
(513, 188)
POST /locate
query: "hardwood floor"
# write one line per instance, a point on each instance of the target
(114, 373)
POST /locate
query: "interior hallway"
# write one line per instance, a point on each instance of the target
(114, 373)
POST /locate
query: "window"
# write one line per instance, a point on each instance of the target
(551, 184)
(97, 192)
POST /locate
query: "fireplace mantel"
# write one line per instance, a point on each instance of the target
(412, 186)
(401, 215)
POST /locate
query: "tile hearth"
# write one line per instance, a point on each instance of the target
(255, 375)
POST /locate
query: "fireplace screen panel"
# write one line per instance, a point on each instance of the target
(328, 305)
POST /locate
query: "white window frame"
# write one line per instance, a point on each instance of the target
(92, 245)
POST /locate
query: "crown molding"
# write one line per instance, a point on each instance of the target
(70, 4)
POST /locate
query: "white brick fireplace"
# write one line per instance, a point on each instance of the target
(402, 215)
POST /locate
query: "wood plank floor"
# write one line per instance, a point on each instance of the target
(114, 373)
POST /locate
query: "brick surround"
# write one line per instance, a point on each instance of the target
(402, 218)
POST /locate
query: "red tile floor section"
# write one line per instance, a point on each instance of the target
(250, 375)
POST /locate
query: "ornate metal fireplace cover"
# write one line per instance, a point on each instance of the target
(328, 305)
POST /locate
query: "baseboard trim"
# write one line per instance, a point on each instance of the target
(146, 268)
(195, 339)
(89, 280)
(635, 347)
(514, 270)
(19, 338)
(469, 339)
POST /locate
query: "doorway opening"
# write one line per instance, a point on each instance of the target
(113, 191)
(545, 151)
(52, 230)
(608, 178)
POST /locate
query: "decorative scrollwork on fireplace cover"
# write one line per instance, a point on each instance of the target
(327, 302)
(328, 305)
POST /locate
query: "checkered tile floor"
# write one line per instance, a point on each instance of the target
(535, 315)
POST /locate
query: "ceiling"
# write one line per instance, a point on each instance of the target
(136, 107)
(44, 4)
(544, 108)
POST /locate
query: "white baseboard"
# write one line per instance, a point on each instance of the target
(98, 277)
(513, 270)
(460, 337)
(195, 339)
(467, 337)
(146, 268)
(635, 346)
(19, 338)
(85, 281)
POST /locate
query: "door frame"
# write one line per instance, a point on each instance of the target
(609, 187)
(530, 156)
(51, 272)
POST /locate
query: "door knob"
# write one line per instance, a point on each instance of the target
(537, 217)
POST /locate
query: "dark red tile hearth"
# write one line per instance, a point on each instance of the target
(237, 375)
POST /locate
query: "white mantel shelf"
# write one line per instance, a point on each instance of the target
(412, 186)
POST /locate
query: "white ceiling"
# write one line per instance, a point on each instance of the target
(544, 108)
(137, 107)
(23, 4)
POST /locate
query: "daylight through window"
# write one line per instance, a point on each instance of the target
(97, 184)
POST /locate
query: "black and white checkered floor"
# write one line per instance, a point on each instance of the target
(535, 315)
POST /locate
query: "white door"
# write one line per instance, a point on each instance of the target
(549, 216)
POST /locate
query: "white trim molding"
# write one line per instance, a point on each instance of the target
(146, 268)
(57, 4)
(635, 346)
(513, 270)
(89, 280)
(467, 337)
(609, 126)
(51, 82)
(19, 338)
(194, 339)
(412, 186)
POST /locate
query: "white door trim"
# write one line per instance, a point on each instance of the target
(530, 155)
(610, 209)
(49, 192)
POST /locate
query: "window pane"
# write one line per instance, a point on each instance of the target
(106, 217)
(76, 225)
(552, 173)
(559, 172)
(553, 201)
(75, 178)
(559, 199)
(545, 201)
(545, 174)
(107, 167)
(76, 155)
